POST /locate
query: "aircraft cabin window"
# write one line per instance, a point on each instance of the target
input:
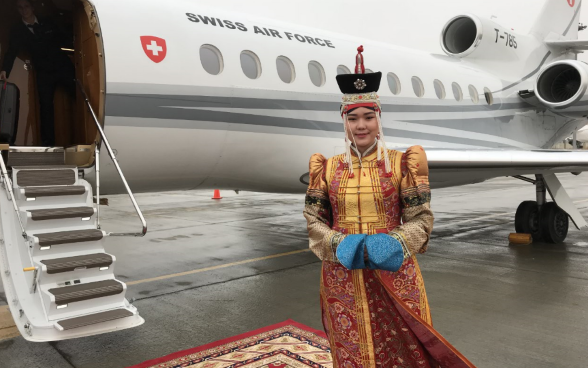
(250, 64)
(457, 91)
(316, 73)
(473, 94)
(418, 87)
(342, 69)
(393, 83)
(488, 95)
(286, 70)
(439, 89)
(211, 59)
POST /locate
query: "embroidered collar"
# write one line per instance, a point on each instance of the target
(367, 152)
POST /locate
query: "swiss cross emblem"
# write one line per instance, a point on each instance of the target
(154, 47)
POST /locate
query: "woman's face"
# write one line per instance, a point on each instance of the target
(363, 128)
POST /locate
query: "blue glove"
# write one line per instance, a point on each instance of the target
(350, 251)
(384, 252)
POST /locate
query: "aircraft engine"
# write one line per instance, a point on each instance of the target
(561, 85)
(471, 36)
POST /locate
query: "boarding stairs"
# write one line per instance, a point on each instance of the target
(58, 279)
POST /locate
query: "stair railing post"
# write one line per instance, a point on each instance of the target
(116, 165)
(8, 184)
(97, 154)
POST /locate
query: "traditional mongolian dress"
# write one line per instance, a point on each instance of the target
(375, 318)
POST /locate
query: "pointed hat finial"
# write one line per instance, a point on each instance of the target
(359, 67)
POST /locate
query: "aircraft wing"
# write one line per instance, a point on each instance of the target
(449, 167)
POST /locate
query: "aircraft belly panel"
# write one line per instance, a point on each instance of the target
(158, 159)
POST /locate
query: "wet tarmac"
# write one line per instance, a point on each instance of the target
(209, 270)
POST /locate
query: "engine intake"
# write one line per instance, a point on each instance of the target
(461, 35)
(562, 83)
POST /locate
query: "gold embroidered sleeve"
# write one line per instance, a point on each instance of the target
(415, 193)
(323, 241)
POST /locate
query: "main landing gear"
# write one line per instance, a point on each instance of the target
(545, 221)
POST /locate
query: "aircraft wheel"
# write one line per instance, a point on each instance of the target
(527, 219)
(554, 223)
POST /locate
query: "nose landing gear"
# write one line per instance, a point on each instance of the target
(545, 221)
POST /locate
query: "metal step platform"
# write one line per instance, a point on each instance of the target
(92, 290)
(69, 264)
(55, 191)
(37, 176)
(92, 319)
(61, 213)
(35, 158)
(67, 237)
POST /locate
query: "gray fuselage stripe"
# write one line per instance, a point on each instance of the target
(145, 108)
(117, 103)
(573, 18)
(528, 75)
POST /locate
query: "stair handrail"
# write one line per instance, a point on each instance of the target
(114, 160)
(8, 185)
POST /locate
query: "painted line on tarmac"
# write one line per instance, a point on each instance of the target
(487, 217)
(199, 270)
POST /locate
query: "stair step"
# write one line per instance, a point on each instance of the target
(67, 237)
(39, 176)
(69, 264)
(61, 213)
(92, 319)
(35, 158)
(92, 290)
(35, 192)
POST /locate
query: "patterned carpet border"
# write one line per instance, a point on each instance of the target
(218, 349)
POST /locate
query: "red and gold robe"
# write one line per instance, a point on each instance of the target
(375, 318)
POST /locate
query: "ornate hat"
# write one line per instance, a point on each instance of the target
(360, 82)
(361, 90)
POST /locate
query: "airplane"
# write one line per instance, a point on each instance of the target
(207, 98)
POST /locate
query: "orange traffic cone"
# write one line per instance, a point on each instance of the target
(217, 194)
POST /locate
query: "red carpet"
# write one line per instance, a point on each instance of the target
(284, 345)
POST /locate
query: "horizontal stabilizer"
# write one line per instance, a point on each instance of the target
(569, 44)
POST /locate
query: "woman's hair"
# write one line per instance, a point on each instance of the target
(355, 108)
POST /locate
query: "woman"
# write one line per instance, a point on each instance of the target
(368, 214)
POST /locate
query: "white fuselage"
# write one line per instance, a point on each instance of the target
(175, 126)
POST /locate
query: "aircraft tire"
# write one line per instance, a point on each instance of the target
(527, 219)
(555, 223)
